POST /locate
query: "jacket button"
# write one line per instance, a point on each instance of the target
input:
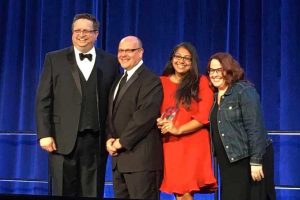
(230, 107)
(223, 97)
(219, 122)
(232, 158)
(223, 134)
(227, 147)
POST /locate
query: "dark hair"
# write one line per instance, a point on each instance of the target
(188, 88)
(88, 17)
(233, 71)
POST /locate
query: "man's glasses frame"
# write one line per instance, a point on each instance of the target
(84, 31)
(127, 51)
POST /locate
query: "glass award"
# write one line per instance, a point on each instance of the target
(169, 113)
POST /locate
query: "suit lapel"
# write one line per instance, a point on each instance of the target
(127, 85)
(73, 66)
(111, 95)
(98, 64)
(99, 69)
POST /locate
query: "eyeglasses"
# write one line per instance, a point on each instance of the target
(185, 58)
(128, 50)
(84, 31)
(217, 71)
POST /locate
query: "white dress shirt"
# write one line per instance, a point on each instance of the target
(85, 65)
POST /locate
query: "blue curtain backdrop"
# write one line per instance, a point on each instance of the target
(262, 34)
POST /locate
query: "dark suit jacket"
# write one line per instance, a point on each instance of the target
(133, 120)
(59, 96)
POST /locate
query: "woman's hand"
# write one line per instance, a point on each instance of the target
(257, 172)
(159, 122)
(168, 127)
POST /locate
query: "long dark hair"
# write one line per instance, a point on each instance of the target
(188, 87)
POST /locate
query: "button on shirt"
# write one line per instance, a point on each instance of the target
(85, 65)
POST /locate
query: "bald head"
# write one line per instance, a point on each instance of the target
(130, 52)
(132, 39)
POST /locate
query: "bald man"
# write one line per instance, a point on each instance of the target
(133, 139)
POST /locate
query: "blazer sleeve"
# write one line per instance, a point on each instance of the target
(253, 123)
(44, 101)
(144, 118)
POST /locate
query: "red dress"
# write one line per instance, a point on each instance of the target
(187, 158)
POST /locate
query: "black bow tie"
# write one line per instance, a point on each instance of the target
(88, 56)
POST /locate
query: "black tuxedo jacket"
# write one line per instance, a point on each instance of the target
(133, 120)
(59, 96)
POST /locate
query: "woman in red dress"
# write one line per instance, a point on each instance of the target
(184, 126)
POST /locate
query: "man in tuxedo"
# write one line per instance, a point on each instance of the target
(133, 138)
(71, 110)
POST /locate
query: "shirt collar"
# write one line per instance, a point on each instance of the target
(132, 70)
